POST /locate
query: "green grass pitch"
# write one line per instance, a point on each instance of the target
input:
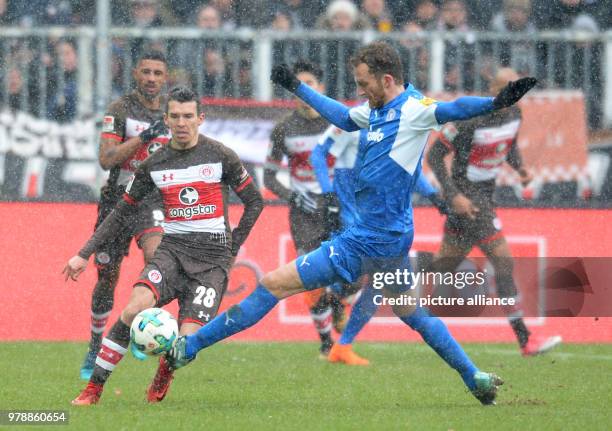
(238, 386)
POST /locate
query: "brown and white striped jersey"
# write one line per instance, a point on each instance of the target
(126, 118)
(194, 186)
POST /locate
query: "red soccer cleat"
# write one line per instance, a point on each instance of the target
(158, 388)
(89, 396)
(539, 344)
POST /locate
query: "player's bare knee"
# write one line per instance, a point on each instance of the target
(283, 282)
(188, 328)
(141, 299)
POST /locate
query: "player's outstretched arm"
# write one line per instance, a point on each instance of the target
(468, 107)
(330, 109)
(318, 159)
(111, 227)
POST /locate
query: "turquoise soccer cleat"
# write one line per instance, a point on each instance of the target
(88, 365)
(486, 387)
(176, 357)
(137, 353)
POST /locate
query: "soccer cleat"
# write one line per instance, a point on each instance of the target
(89, 396)
(486, 387)
(538, 345)
(343, 353)
(161, 382)
(177, 357)
(88, 364)
(137, 353)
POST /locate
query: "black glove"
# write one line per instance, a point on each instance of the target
(331, 212)
(158, 128)
(513, 92)
(284, 76)
(439, 203)
(304, 202)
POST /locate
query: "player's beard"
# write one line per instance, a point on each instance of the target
(149, 97)
(377, 98)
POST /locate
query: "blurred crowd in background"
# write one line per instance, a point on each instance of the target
(381, 15)
(221, 68)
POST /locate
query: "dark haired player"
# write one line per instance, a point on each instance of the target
(480, 147)
(294, 137)
(398, 121)
(193, 174)
(132, 130)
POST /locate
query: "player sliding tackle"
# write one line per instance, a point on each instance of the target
(398, 120)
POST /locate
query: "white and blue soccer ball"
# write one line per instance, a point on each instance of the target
(154, 331)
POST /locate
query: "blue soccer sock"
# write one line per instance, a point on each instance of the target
(237, 318)
(362, 312)
(436, 335)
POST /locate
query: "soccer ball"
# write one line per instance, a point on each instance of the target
(154, 331)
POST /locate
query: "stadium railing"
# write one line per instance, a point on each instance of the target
(52, 73)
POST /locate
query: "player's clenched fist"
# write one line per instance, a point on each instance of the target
(75, 266)
(284, 76)
(513, 92)
(158, 128)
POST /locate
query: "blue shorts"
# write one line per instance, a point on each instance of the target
(352, 253)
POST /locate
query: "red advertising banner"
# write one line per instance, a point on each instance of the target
(38, 238)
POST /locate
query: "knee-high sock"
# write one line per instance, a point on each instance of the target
(113, 348)
(362, 312)
(102, 303)
(321, 314)
(436, 335)
(237, 318)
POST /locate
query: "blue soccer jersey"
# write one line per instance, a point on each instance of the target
(390, 162)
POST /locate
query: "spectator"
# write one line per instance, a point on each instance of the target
(575, 64)
(426, 14)
(6, 14)
(63, 93)
(208, 18)
(147, 14)
(377, 13)
(215, 78)
(207, 63)
(459, 52)
(480, 12)
(303, 13)
(14, 89)
(521, 55)
(515, 17)
(284, 50)
(55, 12)
(567, 14)
(227, 10)
(281, 21)
(340, 16)
(414, 55)
(453, 16)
